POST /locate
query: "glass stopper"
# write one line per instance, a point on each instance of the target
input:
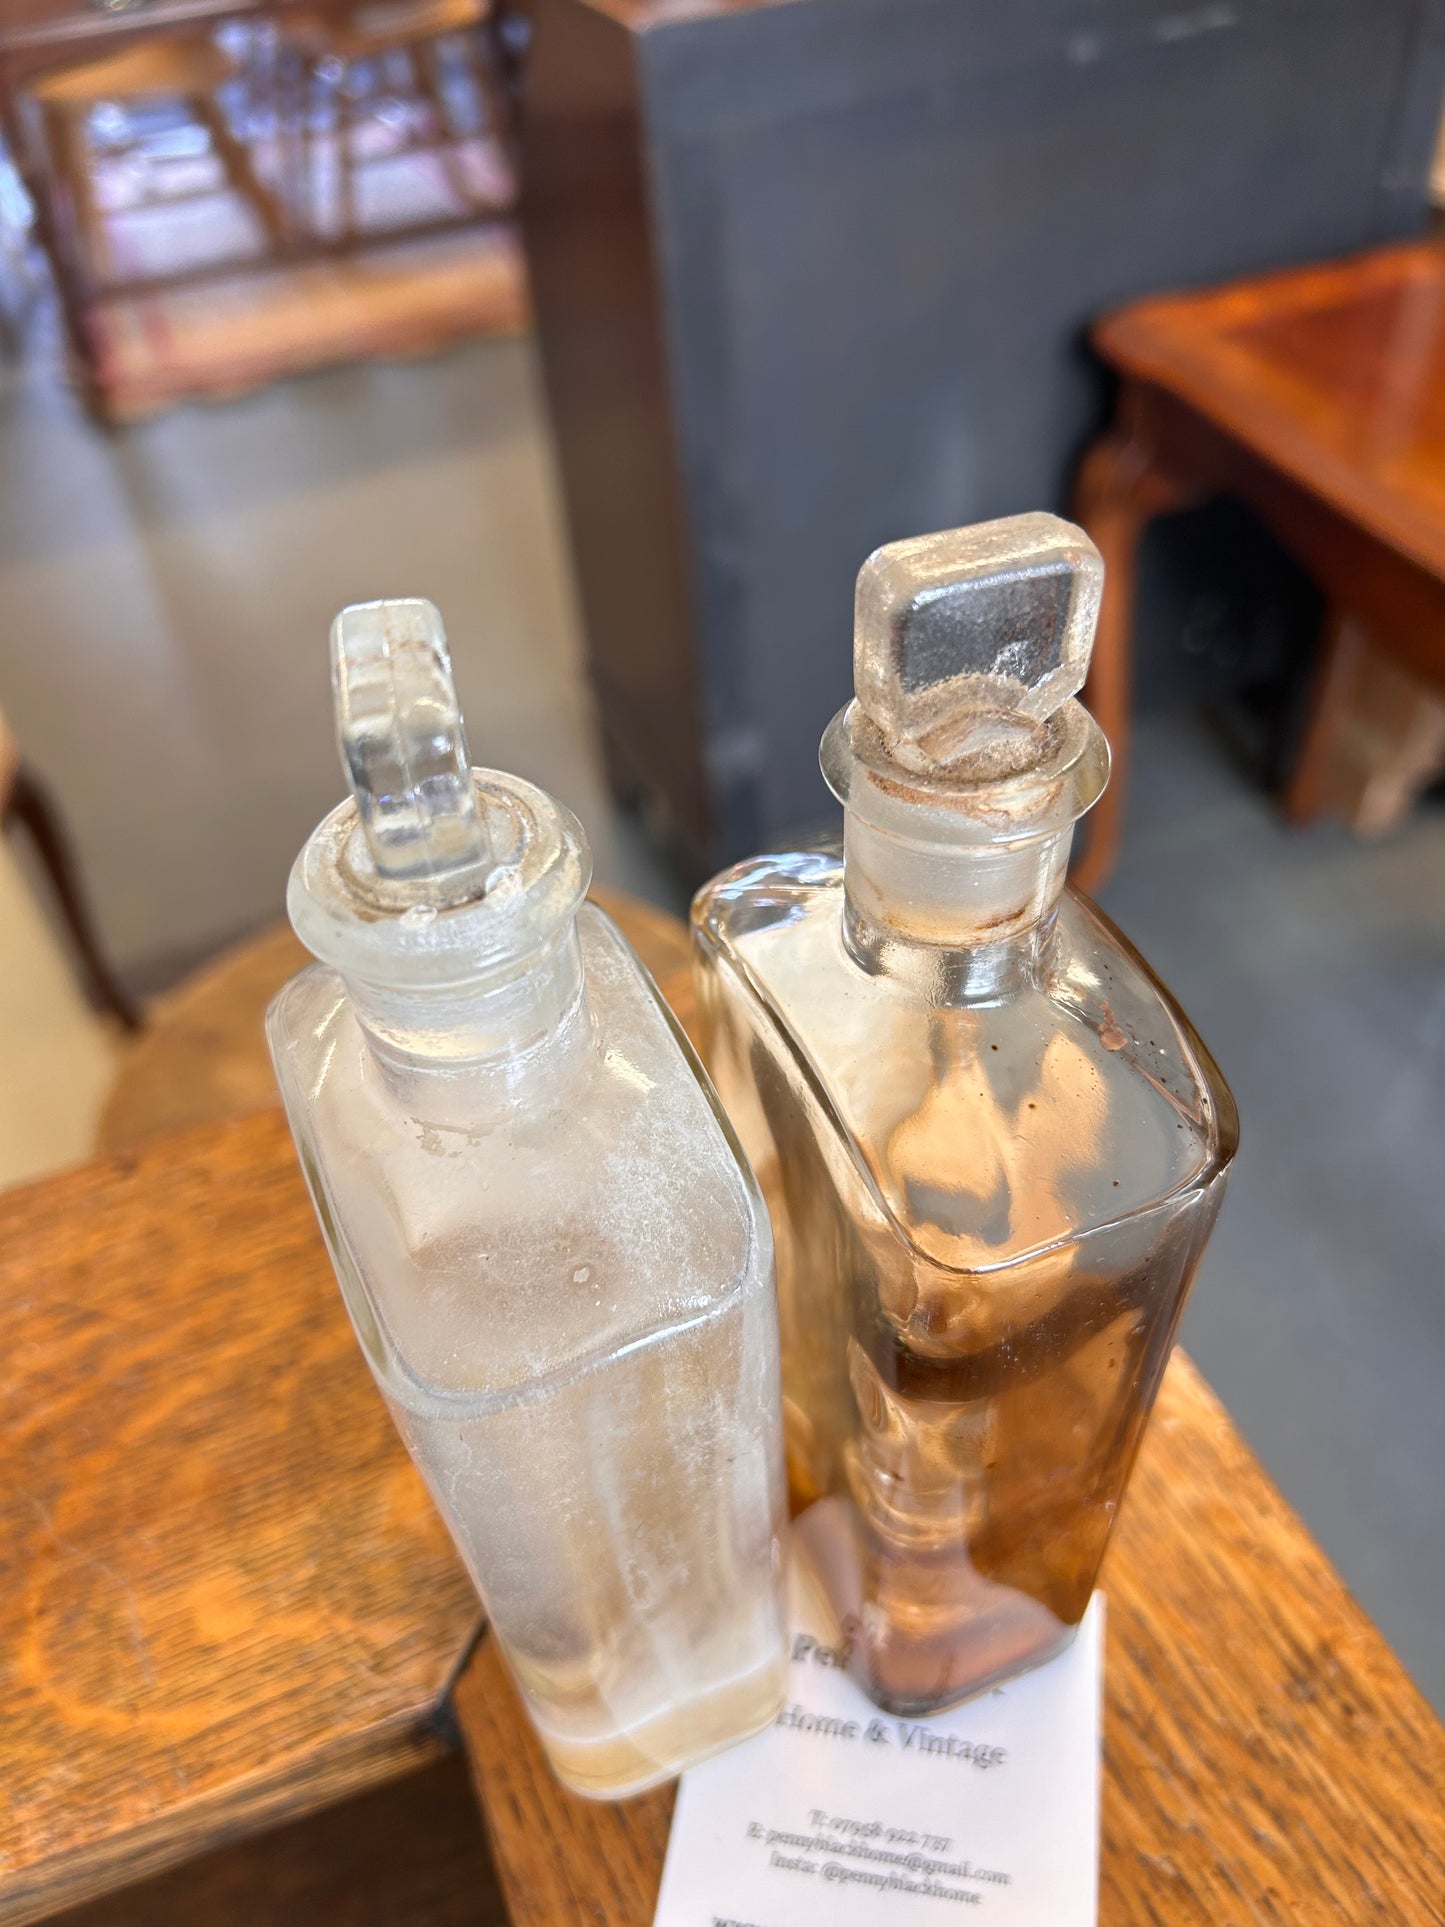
(403, 746)
(967, 641)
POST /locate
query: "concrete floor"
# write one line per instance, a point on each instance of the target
(168, 593)
(1314, 968)
(163, 659)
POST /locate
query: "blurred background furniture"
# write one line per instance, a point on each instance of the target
(810, 276)
(339, 129)
(187, 69)
(1317, 396)
(61, 59)
(393, 53)
(230, 1609)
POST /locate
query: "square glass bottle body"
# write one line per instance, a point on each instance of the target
(560, 1272)
(991, 1174)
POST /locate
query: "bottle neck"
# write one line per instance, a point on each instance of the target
(962, 923)
(461, 1054)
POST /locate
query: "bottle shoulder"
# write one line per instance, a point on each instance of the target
(569, 1214)
(987, 1131)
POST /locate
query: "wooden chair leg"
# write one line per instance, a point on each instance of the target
(1118, 491)
(272, 104)
(309, 104)
(28, 803)
(235, 158)
(498, 103)
(18, 311)
(69, 153)
(345, 169)
(290, 93)
(1342, 650)
(425, 60)
(72, 236)
(497, 62)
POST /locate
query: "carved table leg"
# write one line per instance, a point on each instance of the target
(1342, 649)
(1119, 488)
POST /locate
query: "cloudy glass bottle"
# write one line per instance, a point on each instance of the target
(554, 1255)
(992, 1145)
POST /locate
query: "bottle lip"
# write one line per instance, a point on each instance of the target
(1065, 767)
(376, 929)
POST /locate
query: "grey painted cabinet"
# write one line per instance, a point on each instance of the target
(813, 275)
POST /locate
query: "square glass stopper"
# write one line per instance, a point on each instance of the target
(965, 641)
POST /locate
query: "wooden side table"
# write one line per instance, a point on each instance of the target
(227, 1603)
(1318, 397)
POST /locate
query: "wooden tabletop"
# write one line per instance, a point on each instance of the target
(224, 1595)
(225, 1598)
(1265, 1758)
(1334, 374)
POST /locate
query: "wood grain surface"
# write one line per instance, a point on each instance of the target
(225, 1600)
(1265, 1761)
(1266, 1758)
(1334, 374)
(224, 1595)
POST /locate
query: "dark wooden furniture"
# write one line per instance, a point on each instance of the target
(811, 275)
(37, 37)
(227, 1604)
(57, 56)
(189, 69)
(26, 803)
(1317, 396)
(331, 50)
(40, 38)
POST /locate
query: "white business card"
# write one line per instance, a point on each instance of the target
(844, 1816)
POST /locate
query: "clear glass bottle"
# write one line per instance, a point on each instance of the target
(992, 1145)
(553, 1252)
